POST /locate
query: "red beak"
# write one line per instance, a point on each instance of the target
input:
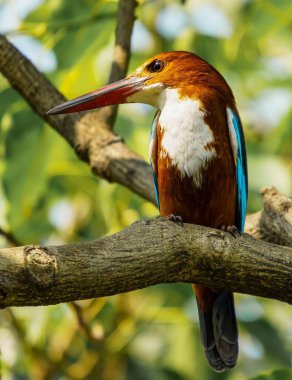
(114, 93)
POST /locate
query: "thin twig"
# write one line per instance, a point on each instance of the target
(66, 25)
(121, 57)
(9, 237)
(83, 324)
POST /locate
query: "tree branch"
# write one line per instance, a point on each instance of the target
(149, 252)
(83, 325)
(274, 223)
(105, 117)
(11, 239)
(122, 51)
(68, 25)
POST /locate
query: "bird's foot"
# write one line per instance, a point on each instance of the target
(175, 219)
(234, 231)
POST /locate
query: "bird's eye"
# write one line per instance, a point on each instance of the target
(156, 66)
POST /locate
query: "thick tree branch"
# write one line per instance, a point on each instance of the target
(274, 223)
(153, 252)
(147, 253)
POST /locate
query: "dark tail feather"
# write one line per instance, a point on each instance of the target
(219, 332)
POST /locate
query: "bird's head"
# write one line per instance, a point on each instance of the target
(185, 72)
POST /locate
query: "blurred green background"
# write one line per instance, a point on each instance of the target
(48, 196)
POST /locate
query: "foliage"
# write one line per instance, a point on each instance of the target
(47, 195)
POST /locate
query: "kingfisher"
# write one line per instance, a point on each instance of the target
(198, 159)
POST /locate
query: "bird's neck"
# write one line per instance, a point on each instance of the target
(185, 139)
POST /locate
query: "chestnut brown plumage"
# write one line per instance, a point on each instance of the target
(199, 164)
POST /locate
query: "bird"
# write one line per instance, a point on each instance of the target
(198, 159)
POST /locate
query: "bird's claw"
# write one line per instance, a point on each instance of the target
(233, 230)
(175, 219)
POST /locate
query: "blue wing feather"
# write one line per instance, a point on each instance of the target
(155, 186)
(153, 145)
(241, 174)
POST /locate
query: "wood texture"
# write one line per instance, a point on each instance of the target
(274, 223)
(149, 252)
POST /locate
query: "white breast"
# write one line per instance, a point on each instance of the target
(186, 136)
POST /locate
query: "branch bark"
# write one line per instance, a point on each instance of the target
(274, 223)
(149, 252)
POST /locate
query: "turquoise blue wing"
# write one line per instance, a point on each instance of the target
(155, 186)
(239, 152)
(153, 155)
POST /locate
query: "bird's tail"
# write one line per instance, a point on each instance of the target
(218, 327)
